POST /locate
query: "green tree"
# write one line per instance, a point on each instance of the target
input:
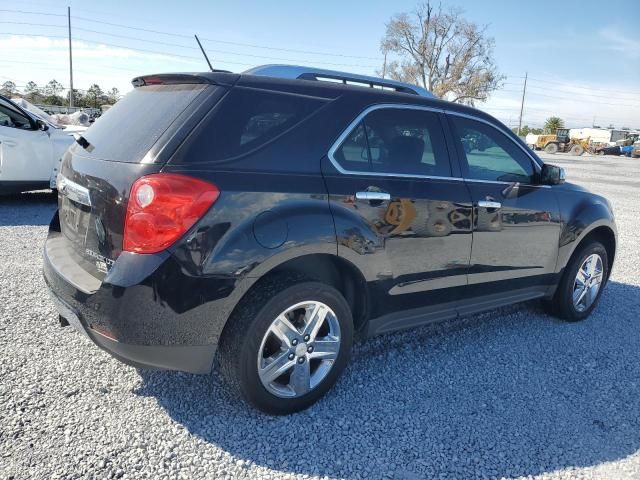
(113, 95)
(94, 95)
(32, 92)
(552, 124)
(526, 130)
(8, 88)
(78, 98)
(53, 88)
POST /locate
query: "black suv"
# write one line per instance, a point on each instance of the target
(265, 222)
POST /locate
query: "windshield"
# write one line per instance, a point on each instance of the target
(35, 112)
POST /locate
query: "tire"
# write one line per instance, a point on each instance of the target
(577, 150)
(551, 148)
(249, 335)
(562, 305)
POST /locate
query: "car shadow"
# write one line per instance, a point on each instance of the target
(508, 393)
(30, 208)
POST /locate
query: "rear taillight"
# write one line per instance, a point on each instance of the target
(162, 207)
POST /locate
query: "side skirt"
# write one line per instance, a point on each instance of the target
(447, 311)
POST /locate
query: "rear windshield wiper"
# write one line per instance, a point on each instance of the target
(83, 142)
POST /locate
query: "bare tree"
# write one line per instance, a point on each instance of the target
(443, 52)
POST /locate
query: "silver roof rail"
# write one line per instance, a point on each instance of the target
(319, 74)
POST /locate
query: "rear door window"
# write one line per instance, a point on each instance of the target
(128, 130)
(397, 141)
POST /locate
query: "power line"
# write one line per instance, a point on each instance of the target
(613, 97)
(33, 13)
(178, 35)
(293, 50)
(224, 52)
(564, 82)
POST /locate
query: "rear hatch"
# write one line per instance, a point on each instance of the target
(134, 138)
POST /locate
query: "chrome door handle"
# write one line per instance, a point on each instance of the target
(380, 196)
(489, 204)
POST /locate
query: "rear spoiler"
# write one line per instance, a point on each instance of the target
(217, 77)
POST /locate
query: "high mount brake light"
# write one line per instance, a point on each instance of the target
(162, 207)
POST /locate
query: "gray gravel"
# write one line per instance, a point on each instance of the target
(507, 394)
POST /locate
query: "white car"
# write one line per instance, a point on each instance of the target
(30, 149)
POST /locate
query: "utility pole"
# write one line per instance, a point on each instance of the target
(203, 52)
(70, 60)
(524, 90)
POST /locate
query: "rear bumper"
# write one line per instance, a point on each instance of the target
(144, 319)
(186, 358)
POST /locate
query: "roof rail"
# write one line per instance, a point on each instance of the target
(319, 74)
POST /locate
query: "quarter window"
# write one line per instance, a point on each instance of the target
(247, 119)
(491, 155)
(397, 141)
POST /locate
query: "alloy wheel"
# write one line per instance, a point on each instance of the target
(588, 282)
(299, 349)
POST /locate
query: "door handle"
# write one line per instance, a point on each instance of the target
(10, 143)
(379, 196)
(489, 204)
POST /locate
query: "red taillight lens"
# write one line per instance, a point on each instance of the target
(162, 207)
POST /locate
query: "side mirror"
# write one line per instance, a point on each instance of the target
(552, 175)
(40, 125)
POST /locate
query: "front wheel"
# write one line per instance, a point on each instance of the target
(582, 283)
(286, 345)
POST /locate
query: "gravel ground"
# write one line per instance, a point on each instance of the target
(508, 394)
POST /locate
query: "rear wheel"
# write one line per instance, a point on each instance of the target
(287, 344)
(551, 148)
(582, 283)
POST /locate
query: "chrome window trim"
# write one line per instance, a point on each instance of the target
(354, 124)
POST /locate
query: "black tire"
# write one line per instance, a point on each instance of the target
(242, 337)
(551, 148)
(577, 150)
(562, 305)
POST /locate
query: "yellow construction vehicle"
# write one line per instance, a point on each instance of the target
(561, 142)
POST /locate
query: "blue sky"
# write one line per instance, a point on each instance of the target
(582, 65)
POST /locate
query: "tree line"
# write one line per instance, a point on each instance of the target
(52, 94)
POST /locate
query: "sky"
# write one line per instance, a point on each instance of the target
(582, 58)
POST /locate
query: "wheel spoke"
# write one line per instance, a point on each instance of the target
(316, 319)
(592, 265)
(276, 368)
(598, 278)
(325, 349)
(581, 277)
(300, 380)
(284, 330)
(578, 295)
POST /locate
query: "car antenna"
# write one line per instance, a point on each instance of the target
(203, 52)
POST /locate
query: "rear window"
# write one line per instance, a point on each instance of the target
(127, 131)
(247, 119)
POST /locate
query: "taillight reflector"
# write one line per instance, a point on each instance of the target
(162, 207)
